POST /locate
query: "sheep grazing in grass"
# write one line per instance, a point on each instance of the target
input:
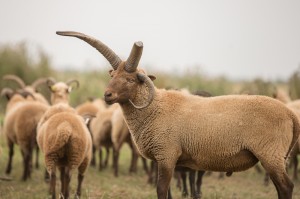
(20, 123)
(120, 134)
(64, 139)
(224, 133)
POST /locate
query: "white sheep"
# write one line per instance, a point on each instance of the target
(64, 139)
(225, 133)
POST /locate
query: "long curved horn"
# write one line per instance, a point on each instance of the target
(8, 92)
(15, 78)
(50, 82)
(25, 94)
(38, 82)
(69, 82)
(134, 57)
(144, 78)
(111, 57)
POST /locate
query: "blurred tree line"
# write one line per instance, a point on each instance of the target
(16, 59)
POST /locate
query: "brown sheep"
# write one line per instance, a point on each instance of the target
(20, 123)
(100, 128)
(225, 133)
(91, 108)
(64, 139)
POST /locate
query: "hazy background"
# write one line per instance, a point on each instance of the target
(239, 39)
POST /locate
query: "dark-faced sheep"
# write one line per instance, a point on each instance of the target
(225, 133)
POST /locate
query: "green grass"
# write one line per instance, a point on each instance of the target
(103, 185)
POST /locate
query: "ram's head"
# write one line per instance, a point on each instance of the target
(60, 90)
(127, 79)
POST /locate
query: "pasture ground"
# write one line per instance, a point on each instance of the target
(103, 185)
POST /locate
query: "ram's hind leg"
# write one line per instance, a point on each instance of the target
(81, 170)
(276, 168)
(10, 156)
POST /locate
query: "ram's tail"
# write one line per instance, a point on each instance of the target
(296, 133)
(56, 142)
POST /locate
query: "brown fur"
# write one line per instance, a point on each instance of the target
(20, 123)
(227, 133)
(66, 143)
(100, 127)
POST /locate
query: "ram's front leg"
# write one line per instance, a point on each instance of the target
(165, 173)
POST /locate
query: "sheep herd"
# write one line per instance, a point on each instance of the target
(177, 130)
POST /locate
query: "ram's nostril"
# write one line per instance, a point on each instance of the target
(107, 94)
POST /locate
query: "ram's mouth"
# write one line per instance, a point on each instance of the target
(110, 101)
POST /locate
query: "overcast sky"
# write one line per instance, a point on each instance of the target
(236, 38)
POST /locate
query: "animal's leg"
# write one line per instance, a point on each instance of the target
(67, 182)
(134, 159)
(116, 162)
(27, 163)
(192, 179)
(169, 193)
(295, 163)
(145, 165)
(183, 178)
(93, 161)
(10, 156)
(277, 171)
(266, 179)
(81, 169)
(107, 157)
(52, 183)
(165, 173)
(37, 157)
(62, 181)
(100, 159)
(199, 183)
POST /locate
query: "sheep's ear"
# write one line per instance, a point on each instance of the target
(69, 90)
(152, 77)
(87, 118)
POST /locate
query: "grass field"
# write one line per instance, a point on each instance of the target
(103, 185)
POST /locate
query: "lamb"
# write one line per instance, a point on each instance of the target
(20, 123)
(224, 133)
(64, 139)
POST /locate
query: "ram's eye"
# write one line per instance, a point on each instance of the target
(111, 73)
(130, 80)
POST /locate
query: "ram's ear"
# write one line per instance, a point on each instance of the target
(152, 77)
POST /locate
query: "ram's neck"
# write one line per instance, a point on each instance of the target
(138, 120)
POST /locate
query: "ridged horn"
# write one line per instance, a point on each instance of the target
(144, 78)
(8, 92)
(111, 57)
(134, 58)
(15, 78)
(38, 82)
(69, 82)
(50, 81)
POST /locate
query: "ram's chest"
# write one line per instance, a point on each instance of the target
(145, 143)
